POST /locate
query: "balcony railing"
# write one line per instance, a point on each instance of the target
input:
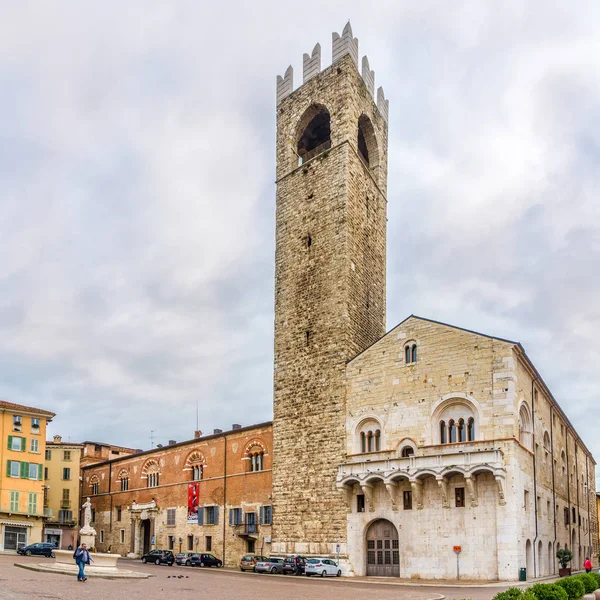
(47, 513)
(246, 529)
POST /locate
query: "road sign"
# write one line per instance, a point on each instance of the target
(457, 549)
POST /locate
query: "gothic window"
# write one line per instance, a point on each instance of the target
(407, 354)
(414, 353)
(456, 422)
(377, 440)
(525, 430)
(407, 451)
(196, 472)
(95, 484)
(257, 461)
(363, 442)
(315, 134)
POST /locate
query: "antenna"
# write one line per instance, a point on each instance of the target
(152, 438)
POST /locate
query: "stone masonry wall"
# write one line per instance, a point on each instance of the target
(329, 299)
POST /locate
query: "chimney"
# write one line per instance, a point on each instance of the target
(159, 445)
(236, 426)
(57, 439)
(172, 442)
(197, 434)
(217, 431)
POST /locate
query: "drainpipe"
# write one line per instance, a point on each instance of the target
(577, 497)
(535, 503)
(110, 522)
(587, 487)
(569, 543)
(224, 492)
(553, 487)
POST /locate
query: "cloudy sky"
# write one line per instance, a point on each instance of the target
(137, 196)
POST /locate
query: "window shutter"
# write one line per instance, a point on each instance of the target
(201, 515)
(8, 468)
(10, 437)
(231, 516)
(216, 513)
(23, 444)
(24, 470)
(261, 515)
(40, 472)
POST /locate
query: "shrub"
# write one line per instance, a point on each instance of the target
(529, 595)
(573, 586)
(596, 575)
(509, 594)
(549, 591)
(589, 582)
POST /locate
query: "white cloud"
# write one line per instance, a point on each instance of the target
(137, 208)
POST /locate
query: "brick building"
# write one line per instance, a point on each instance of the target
(211, 493)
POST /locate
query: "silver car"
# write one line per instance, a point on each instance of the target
(270, 565)
(323, 567)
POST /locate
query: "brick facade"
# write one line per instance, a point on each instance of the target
(126, 521)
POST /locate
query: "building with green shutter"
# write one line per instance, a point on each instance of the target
(22, 450)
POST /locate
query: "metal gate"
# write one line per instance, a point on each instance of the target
(383, 551)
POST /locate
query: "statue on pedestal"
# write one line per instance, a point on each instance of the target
(87, 529)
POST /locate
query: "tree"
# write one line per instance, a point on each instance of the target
(564, 556)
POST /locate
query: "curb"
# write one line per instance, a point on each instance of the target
(71, 572)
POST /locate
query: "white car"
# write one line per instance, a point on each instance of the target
(322, 567)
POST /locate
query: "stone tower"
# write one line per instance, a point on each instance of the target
(329, 281)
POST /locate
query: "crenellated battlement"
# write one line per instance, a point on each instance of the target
(341, 45)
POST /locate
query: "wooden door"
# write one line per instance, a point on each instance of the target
(383, 551)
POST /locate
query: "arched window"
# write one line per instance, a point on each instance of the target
(367, 145)
(456, 422)
(196, 472)
(471, 429)
(123, 478)
(451, 431)
(152, 474)
(407, 451)
(368, 436)
(525, 431)
(255, 455)
(410, 353)
(315, 136)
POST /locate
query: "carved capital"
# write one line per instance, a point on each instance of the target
(392, 490)
(443, 485)
(471, 488)
(417, 490)
(501, 498)
(368, 492)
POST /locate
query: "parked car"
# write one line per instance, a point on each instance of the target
(269, 565)
(159, 557)
(322, 567)
(39, 549)
(248, 561)
(183, 558)
(205, 560)
(294, 565)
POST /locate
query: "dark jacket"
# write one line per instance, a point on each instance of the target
(82, 555)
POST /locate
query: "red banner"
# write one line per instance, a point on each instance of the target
(193, 491)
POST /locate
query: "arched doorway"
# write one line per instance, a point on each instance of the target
(146, 536)
(541, 561)
(383, 551)
(550, 559)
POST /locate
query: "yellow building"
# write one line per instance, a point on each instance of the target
(61, 492)
(22, 449)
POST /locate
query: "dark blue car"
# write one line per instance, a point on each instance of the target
(39, 549)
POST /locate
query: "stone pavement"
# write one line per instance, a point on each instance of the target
(214, 584)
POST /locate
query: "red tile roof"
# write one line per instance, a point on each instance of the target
(31, 409)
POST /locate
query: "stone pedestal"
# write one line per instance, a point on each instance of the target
(87, 536)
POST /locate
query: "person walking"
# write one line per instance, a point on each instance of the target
(82, 557)
(587, 565)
